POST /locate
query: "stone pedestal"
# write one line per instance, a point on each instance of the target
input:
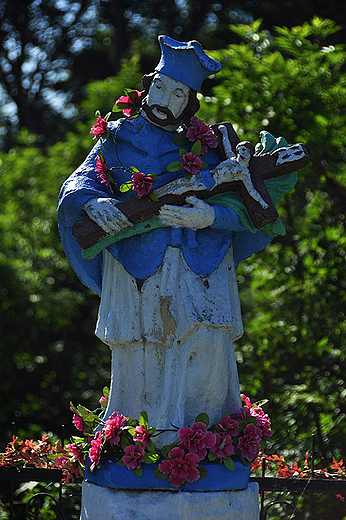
(102, 503)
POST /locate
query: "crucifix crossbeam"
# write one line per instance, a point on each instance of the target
(238, 171)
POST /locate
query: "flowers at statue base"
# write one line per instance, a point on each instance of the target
(99, 128)
(131, 442)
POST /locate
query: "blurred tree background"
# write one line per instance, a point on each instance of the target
(283, 71)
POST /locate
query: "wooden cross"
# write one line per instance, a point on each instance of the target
(267, 166)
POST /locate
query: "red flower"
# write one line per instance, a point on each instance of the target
(247, 400)
(196, 439)
(78, 422)
(203, 132)
(191, 163)
(263, 421)
(141, 435)
(181, 467)
(99, 128)
(95, 451)
(112, 428)
(243, 413)
(75, 452)
(223, 446)
(141, 183)
(102, 168)
(250, 443)
(134, 456)
(130, 104)
(228, 426)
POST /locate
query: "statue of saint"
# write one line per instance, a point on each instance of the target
(169, 308)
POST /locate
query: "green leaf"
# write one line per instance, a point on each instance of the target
(203, 417)
(202, 471)
(104, 404)
(132, 431)
(165, 450)
(197, 147)
(261, 403)
(97, 114)
(115, 108)
(180, 138)
(211, 456)
(174, 166)
(102, 157)
(90, 419)
(151, 447)
(124, 442)
(81, 410)
(133, 169)
(132, 422)
(204, 165)
(74, 409)
(182, 152)
(150, 458)
(160, 475)
(106, 392)
(229, 463)
(143, 419)
(244, 461)
(120, 463)
(107, 116)
(127, 186)
(153, 197)
(138, 472)
(153, 176)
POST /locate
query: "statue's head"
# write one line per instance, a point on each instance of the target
(245, 151)
(170, 93)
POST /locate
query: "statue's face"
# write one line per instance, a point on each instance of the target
(166, 100)
(243, 152)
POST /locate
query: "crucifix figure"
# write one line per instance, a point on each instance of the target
(169, 307)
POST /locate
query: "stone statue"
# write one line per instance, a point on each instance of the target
(169, 306)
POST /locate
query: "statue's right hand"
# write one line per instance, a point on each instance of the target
(104, 212)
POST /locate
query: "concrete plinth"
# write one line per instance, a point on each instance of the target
(102, 503)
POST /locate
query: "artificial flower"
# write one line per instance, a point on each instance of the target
(141, 183)
(250, 442)
(180, 467)
(202, 132)
(196, 439)
(130, 104)
(99, 128)
(134, 456)
(112, 428)
(191, 163)
(223, 446)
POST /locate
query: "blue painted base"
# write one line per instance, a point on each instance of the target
(219, 478)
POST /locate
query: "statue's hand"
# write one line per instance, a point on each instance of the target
(104, 212)
(197, 215)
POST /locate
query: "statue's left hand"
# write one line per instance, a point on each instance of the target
(196, 215)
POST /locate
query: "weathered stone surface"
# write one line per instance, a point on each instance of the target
(100, 503)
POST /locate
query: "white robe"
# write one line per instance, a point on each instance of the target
(172, 341)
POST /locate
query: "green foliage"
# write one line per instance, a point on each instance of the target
(294, 293)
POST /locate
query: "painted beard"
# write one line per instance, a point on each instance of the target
(169, 120)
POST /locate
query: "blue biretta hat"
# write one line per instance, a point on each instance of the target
(185, 62)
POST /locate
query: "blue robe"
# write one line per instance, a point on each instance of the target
(150, 149)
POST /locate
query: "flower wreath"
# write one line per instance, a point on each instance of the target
(130, 442)
(201, 135)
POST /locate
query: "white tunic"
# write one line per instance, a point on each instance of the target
(172, 341)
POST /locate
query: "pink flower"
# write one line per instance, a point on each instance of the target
(78, 422)
(203, 132)
(102, 168)
(102, 399)
(141, 183)
(191, 163)
(112, 428)
(243, 413)
(75, 452)
(263, 421)
(99, 128)
(130, 104)
(196, 439)
(181, 467)
(250, 443)
(228, 426)
(61, 461)
(141, 435)
(134, 456)
(95, 451)
(247, 400)
(223, 446)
